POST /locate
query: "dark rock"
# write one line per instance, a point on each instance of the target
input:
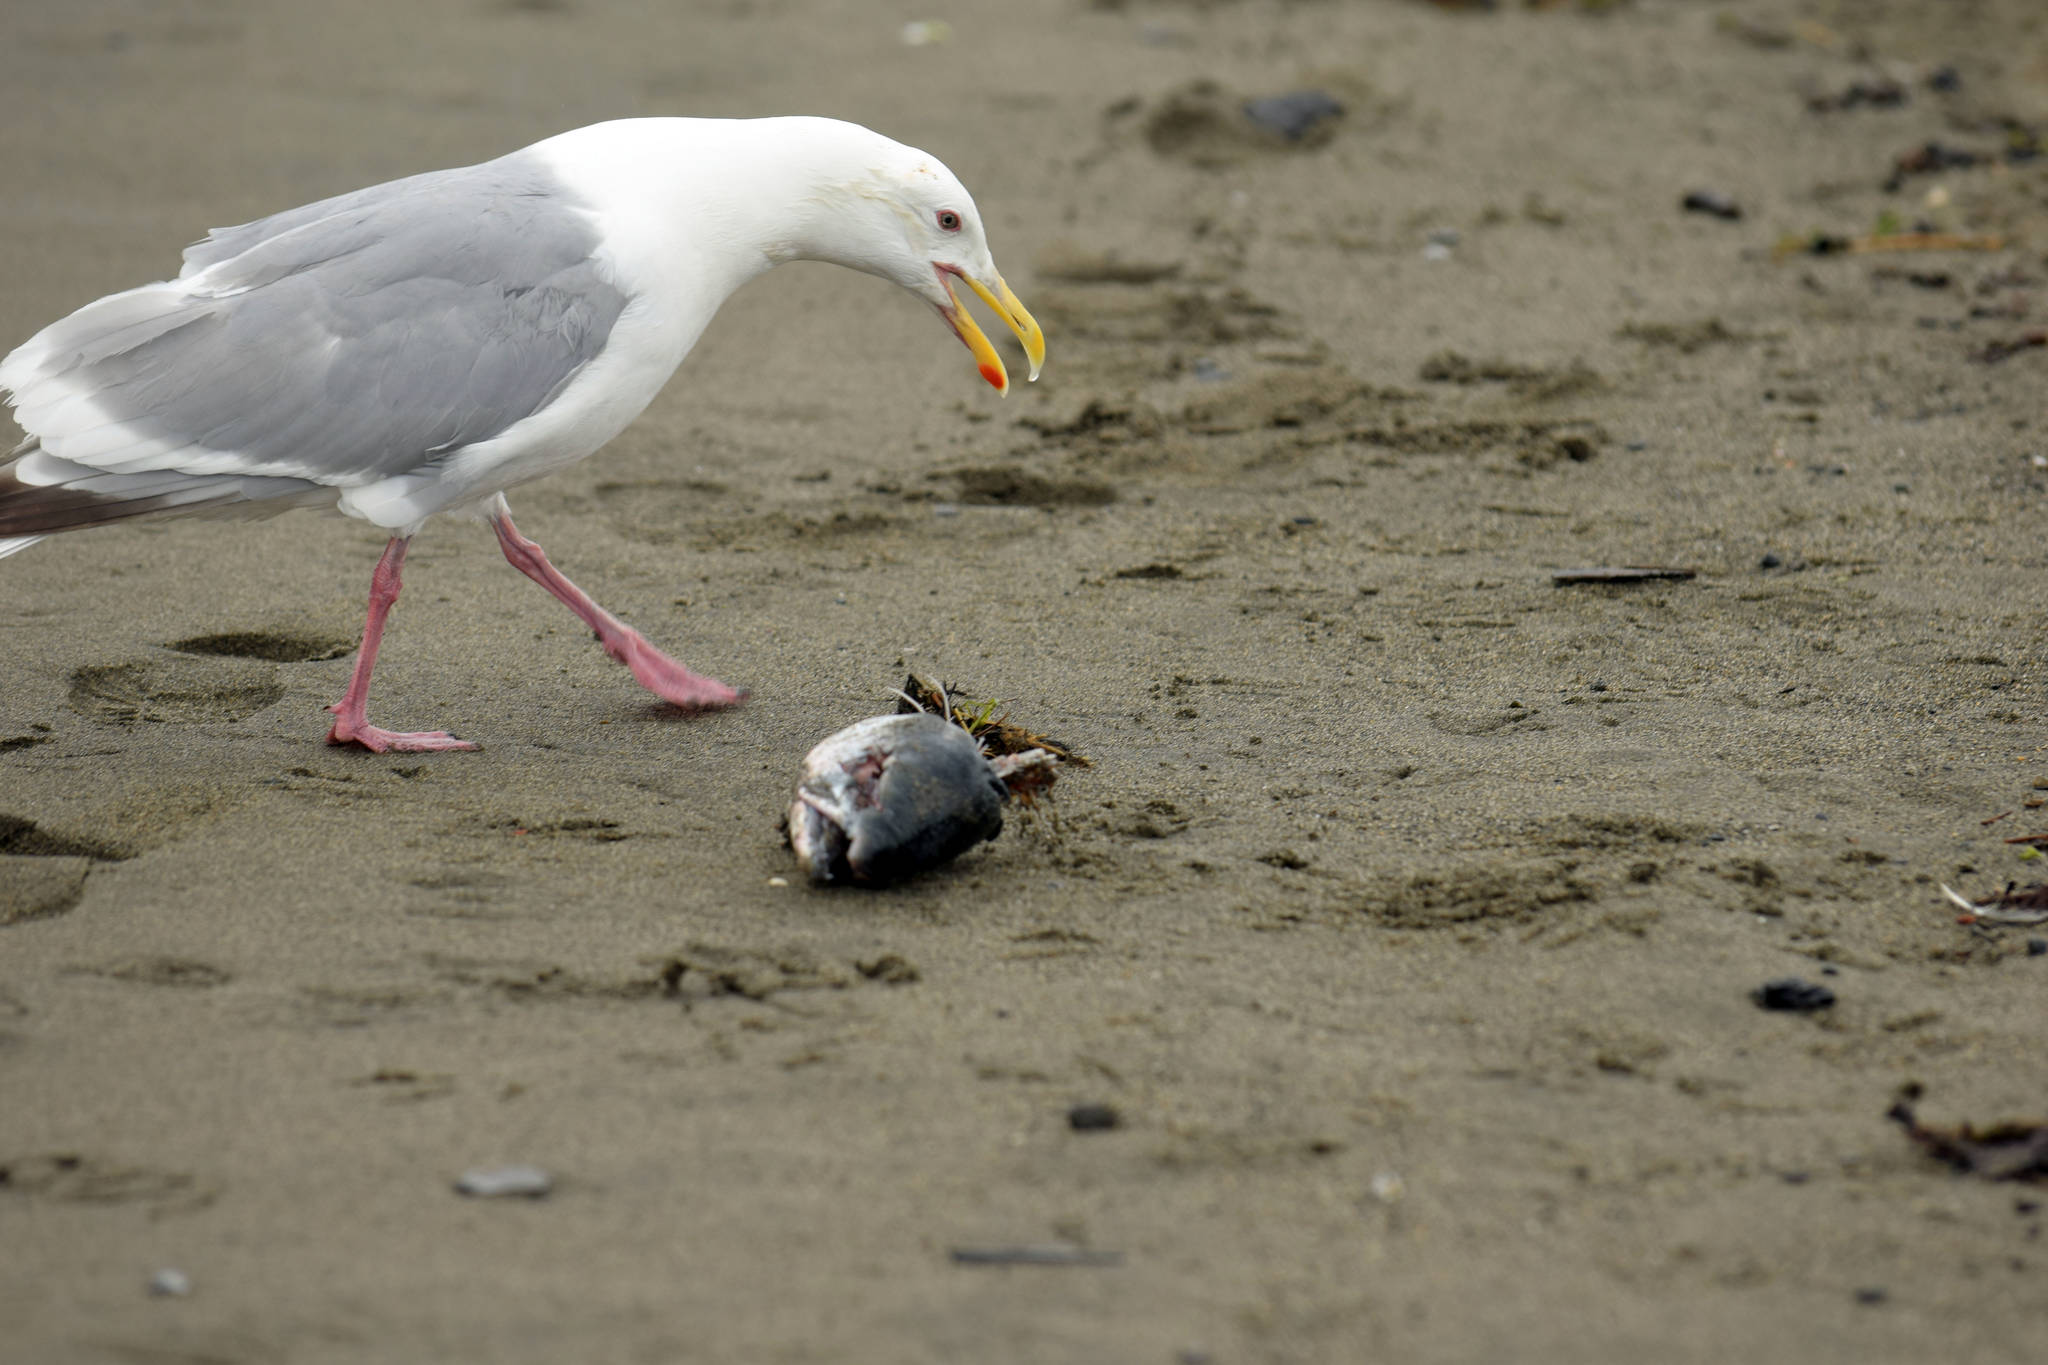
(1093, 1118)
(1793, 993)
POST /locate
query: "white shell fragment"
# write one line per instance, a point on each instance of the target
(892, 795)
(170, 1284)
(505, 1182)
(1996, 911)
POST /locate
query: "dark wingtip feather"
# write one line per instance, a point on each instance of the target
(28, 509)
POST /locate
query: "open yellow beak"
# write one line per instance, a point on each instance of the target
(1010, 310)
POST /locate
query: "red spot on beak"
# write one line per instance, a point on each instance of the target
(994, 376)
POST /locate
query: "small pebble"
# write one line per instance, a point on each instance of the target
(503, 1182)
(1712, 202)
(1093, 1118)
(1871, 1295)
(1769, 562)
(170, 1284)
(1293, 116)
(2037, 947)
(1792, 993)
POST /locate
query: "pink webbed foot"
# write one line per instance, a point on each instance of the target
(665, 677)
(378, 740)
(351, 725)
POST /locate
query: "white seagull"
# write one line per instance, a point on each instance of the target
(420, 347)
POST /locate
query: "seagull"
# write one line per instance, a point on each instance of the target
(418, 347)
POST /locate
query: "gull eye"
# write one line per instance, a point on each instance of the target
(949, 221)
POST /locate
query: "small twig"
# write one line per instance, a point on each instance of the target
(1632, 573)
(1996, 818)
(1033, 1255)
(1927, 241)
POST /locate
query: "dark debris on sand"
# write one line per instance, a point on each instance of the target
(1794, 994)
(2011, 1149)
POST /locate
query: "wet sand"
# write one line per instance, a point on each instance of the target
(1409, 915)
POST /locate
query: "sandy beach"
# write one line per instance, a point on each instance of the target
(1409, 916)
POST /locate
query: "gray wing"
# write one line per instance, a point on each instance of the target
(340, 343)
(226, 243)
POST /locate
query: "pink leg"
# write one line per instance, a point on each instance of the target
(654, 670)
(350, 724)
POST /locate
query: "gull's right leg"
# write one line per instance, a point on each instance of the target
(657, 672)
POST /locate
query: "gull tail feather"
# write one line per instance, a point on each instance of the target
(41, 495)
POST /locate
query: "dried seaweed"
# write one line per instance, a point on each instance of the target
(997, 735)
(2013, 1149)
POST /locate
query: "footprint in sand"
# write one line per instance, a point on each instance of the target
(42, 873)
(175, 690)
(228, 676)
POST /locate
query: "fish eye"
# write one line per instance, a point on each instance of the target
(949, 221)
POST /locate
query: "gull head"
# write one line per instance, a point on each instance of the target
(908, 219)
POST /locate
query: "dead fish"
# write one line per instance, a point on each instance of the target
(893, 795)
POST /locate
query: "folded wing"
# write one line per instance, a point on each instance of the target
(328, 347)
